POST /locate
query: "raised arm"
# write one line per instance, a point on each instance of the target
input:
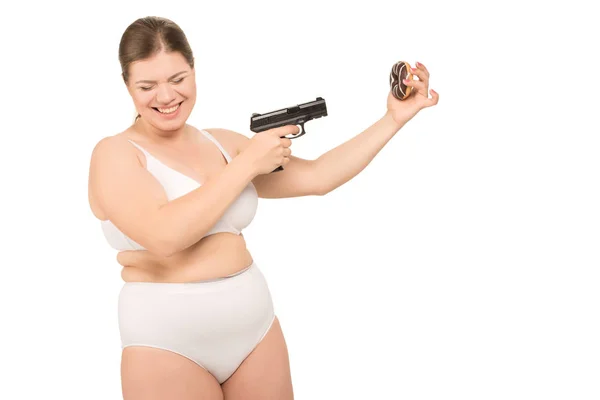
(342, 163)
(302, 177)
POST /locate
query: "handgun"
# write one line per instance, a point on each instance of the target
(294, 115)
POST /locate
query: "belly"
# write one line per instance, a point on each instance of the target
(213, 257)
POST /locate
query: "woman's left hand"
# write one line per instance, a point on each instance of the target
(403, 110)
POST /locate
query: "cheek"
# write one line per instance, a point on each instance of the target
(142, 99)
(189, 91)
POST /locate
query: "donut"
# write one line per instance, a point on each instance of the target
(400, 71)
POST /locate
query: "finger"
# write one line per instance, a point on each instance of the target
(421, 75)
(419, 85)
(285, 142)
(435, 97)
(286, 130)
(287, 152)
(421, 67)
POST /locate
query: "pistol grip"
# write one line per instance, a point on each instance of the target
(302, 132)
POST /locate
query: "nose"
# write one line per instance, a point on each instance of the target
(165, 94)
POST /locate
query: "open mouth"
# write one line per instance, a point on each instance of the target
(168, 111)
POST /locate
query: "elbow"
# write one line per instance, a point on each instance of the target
(161, 239)
(161, 247)
(319, 188)
(168, 245)
(167, 239)
(163, 243)
(322, 190)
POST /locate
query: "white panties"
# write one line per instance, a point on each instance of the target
(214, 323)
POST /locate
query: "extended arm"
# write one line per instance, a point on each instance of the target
(318, 177)
(344, 162)
(339, 165)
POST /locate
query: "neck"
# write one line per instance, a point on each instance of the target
(160, 136)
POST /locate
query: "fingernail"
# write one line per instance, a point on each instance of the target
(418, 64)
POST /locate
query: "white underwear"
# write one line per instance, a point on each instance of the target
(214, 323)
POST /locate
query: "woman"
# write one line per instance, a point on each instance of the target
(195, 313)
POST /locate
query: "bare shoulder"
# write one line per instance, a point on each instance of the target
(233, 141)
(107, 148)
(107, 141)
(110, 154)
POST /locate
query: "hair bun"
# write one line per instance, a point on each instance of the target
(400, 71)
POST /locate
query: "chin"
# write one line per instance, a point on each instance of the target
(171, 125)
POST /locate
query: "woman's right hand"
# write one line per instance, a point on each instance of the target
(269, 149)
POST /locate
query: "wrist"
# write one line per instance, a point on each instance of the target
(245, 164)
(396, 120)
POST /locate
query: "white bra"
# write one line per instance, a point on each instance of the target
(237, 217)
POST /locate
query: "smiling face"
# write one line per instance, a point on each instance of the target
(163, 89)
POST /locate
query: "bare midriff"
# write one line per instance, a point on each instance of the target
(214, 256)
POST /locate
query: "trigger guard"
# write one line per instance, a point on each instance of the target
(302, 132)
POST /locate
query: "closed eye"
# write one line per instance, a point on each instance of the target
(176, 81)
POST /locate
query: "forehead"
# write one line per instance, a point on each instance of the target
(159, 66)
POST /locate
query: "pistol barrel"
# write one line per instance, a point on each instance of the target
(294, 115)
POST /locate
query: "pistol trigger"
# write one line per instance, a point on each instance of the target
(302, 131)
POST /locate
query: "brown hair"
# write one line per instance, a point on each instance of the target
(146, 37)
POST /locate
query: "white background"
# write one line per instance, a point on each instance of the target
(462, 263)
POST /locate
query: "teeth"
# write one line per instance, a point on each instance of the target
(168, 110)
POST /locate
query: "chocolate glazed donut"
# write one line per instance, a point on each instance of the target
(400, 71)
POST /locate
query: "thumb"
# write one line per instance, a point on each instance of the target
(435, 97)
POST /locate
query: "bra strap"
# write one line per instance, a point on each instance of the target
(212, 138)
(141, 148)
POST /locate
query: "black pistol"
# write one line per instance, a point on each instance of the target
(294, 115)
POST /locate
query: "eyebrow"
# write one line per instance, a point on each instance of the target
(171, 77)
